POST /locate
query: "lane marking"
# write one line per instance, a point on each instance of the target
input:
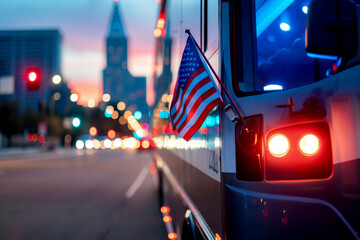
(137, 183)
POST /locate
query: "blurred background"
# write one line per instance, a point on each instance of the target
(73, 71)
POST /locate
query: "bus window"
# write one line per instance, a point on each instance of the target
(281, 56)
(277, 59)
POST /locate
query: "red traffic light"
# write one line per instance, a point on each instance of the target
(32, 78)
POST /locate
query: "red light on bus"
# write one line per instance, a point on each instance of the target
(41, 138)
(278, 145)
(172, 236)
(309, 145)
(29, 137)
(299, 152)
(167, 219)
(164, 209)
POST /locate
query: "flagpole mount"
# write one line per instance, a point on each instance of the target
(234, 118)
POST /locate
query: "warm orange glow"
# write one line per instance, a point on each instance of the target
(93, 131)
(122, 120)
(165, 209)
(161, 23)
(115, 115)
(111, 134)
(91, 103)
(121, 106)
(127, 114)
(157, 32)
(86, 89)
(167, 219)
(145, 144)
(278, 145)
(217, 237)
(309, 145)
(106, 97)
(137, 144)
(172, 235)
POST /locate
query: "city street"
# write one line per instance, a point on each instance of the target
(79, 194)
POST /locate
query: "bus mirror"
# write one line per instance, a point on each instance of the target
(331, 28)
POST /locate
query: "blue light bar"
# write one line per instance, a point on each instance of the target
(322, 56)
(272, 87)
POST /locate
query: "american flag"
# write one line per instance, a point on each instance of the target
(195, 94)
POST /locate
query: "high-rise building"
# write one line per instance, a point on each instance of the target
(163, 82)
(22, 51)
(117, 80)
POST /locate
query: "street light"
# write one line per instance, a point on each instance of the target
(56, 79)
(74, 97)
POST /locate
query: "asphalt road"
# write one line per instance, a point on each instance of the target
(103, 194)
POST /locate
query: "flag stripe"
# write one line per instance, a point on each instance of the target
(175, 95)
(195, 103)
(188, 134)
(194, 78)
(196, 112)
(195, 94)
(199, 88)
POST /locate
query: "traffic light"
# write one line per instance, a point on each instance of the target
(32, 78)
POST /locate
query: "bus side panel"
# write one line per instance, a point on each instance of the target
(204, 191)
(256, 215)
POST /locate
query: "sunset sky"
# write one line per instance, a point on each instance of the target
(84, 25)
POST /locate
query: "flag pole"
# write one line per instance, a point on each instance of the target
(221, 83)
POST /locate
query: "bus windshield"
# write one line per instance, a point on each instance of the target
(281, 56)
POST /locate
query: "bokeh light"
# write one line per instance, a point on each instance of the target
(122, 120)
(121, 106)
(106, 97)
(137, 115)
(89, 144)
(74, 97)
(79, 144)
(56, 79)
(93, 131)
(76, 122)
(127, 114)
(111, 134)
(57, 96)
(115, 115)
(91, 103)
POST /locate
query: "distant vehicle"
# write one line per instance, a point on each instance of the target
(293, 171)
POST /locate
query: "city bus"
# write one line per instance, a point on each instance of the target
(289, 166)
